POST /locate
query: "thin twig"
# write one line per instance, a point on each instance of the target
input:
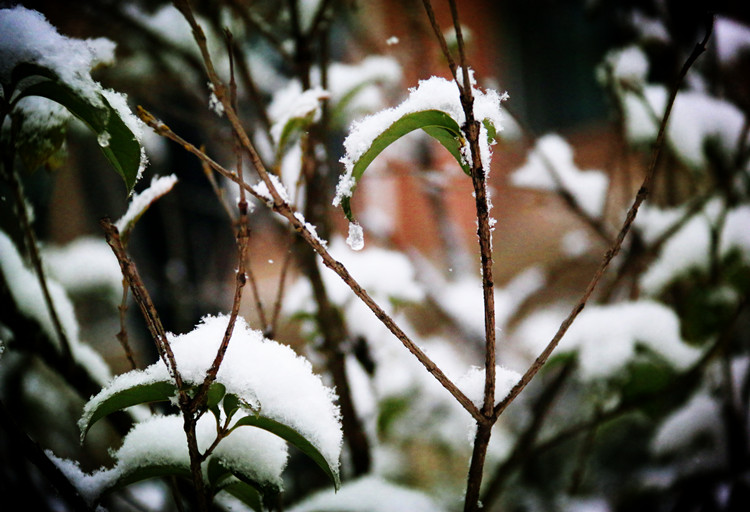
(281, 207)
(441, 38)
(122, 336)
(615, 248)
(143, 299)
(32, 247)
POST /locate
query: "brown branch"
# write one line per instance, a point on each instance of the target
(122, 336)
(441, 39)
(617, 245)
(143, 299)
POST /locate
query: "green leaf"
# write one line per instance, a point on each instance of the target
(38, 146)
(435, 123)
(145, 472)
(295, 438)
(216, 392)
(123, 149)
(138, 394)
(292, 127)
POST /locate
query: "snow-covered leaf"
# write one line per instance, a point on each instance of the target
(437, 124)
(139, 393)
(116, 140)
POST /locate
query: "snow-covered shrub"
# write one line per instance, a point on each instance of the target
(324, 362)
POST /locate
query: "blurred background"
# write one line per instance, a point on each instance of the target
(548, 55)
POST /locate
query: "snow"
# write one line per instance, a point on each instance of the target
(690, 247)
(160, 441)
(85, 265)
(141, 201)
(628, 65)
(261, 189)
(731, 38)
(552, 160)
(434, 93)
(310, 228)
(472, 384)
(214, 104)
(606, 337)
(575, 243)
(368, 494)
(696, 120)
(268, 376)
(39, 115)
(355, 86)
(29, 37)
(650, 29)
(293, 103)
(28, 296)
(700, 415)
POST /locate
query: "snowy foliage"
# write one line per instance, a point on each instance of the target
(265, 375)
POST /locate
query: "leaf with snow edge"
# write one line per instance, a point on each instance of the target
(138, 394)
(252, 492)
(122, 148)
(293, 112)
(264, 374)
(435, 123)
(292, 436)
(141, 202)
(368, 494)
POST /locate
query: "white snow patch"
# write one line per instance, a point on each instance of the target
(697, 120)
(85, 265)
(700, 415)
(606, 337)
(550, 166)
(368, 494)
(731, 37)
(293, 103)
(472, 384)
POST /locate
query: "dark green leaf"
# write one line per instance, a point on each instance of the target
(145, 472)
(139, 394)
(123, 149)
(295, 438)
(231, 404)
(216, 392)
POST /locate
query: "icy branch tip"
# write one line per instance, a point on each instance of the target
(356, 238)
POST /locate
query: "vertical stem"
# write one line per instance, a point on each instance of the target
(31, 244)
(476, 468)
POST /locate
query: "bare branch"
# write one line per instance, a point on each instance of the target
(617, 245)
